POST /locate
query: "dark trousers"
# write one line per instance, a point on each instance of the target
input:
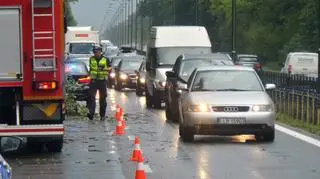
(100, 85)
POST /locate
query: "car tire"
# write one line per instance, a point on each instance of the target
(266, 136)
(185, 134)
(55, 146)
(156, 100)
(138, 90)
(148, 100)
(118, 86)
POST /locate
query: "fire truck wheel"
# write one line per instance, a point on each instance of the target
(55, 146)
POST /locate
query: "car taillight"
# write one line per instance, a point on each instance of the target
(85, 80)
(47, 85)
(290, 68)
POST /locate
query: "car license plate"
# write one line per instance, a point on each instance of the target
(231, 120)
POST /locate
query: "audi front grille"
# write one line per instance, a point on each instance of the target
(230, 108)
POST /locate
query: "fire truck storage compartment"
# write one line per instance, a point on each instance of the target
(10, 44)
(8, 97)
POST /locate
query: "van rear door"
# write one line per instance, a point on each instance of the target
(10, 44)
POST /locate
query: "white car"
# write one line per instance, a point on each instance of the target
(226, 100)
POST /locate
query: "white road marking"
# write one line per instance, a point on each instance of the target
(130, 137)
(297, 135)
(147, 168)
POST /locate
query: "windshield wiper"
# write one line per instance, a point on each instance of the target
(231, 89)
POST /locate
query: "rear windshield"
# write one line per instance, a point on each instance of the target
(168, 55)
(304, 60)
(81, 48)
(189, 65)
(248, 59)
(76, 69)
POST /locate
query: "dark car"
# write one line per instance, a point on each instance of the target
(249, 61)
(181, 71)
(79, 72)
(111, 77)
(141, 79)
(126, 51)
(125, 72)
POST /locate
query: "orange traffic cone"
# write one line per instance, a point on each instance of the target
(117, 112)
(123, 122)
(120, 113)
(136, 154)
(119, 129)
(140, 174)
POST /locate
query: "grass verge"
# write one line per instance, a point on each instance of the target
(284, 118)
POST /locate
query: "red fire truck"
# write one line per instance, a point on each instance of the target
(32, 71)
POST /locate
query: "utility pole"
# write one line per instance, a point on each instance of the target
(128, 21)
(197, 11)
(142, 28)
(234, 52)
(132, 24)
(136, 26)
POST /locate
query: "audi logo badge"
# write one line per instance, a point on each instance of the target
(231, 109)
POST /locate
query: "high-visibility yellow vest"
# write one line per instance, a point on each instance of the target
(98, 69)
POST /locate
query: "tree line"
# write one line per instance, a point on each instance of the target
(269, 28)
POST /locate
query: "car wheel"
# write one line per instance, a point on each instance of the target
(138, 90)
(118, 86)
(186, 134)
(148, 100)
(55, 146)
(266, 137)
(156, 100)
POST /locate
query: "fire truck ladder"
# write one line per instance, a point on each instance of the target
(44, 60)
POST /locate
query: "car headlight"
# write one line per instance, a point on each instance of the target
(112, 75)
(162, 84)
(199, 108)
(123, 76)
(142, 80)
(262, 108)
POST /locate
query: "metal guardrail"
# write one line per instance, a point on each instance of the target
(303, 84)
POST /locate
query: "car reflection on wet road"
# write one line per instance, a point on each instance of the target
(90, 151)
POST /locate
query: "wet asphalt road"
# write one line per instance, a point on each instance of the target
(91, 151)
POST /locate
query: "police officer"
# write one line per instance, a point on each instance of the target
(99, 67)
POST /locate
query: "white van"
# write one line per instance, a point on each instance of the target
(301, 63)
(165, 44)
(80, 40)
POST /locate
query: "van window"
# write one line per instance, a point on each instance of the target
(168, 55)
(304, 60)
(81, 48)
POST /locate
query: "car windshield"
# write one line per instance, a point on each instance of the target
(115, 62)
(130, 65)
(248, 59)
(81, 48)
(168, 55)
(189, 65)
(76, 69)
(226, 80)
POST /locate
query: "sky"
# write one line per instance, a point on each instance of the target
(93, 12)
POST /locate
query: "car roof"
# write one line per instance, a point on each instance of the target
(247, 55)
(210, 55)
(214, 68)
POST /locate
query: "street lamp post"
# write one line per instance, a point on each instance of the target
(142, 28)
(131, 36)
(234, 30)
(136, 26)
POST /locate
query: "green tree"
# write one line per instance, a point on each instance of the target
(68, 13)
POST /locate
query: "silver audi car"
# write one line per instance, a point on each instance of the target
(226, 100)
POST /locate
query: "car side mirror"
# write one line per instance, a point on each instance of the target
(270, 86)
(182, 86)
(170, 74)
(11, 143)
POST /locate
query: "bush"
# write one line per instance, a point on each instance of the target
(73, 108)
